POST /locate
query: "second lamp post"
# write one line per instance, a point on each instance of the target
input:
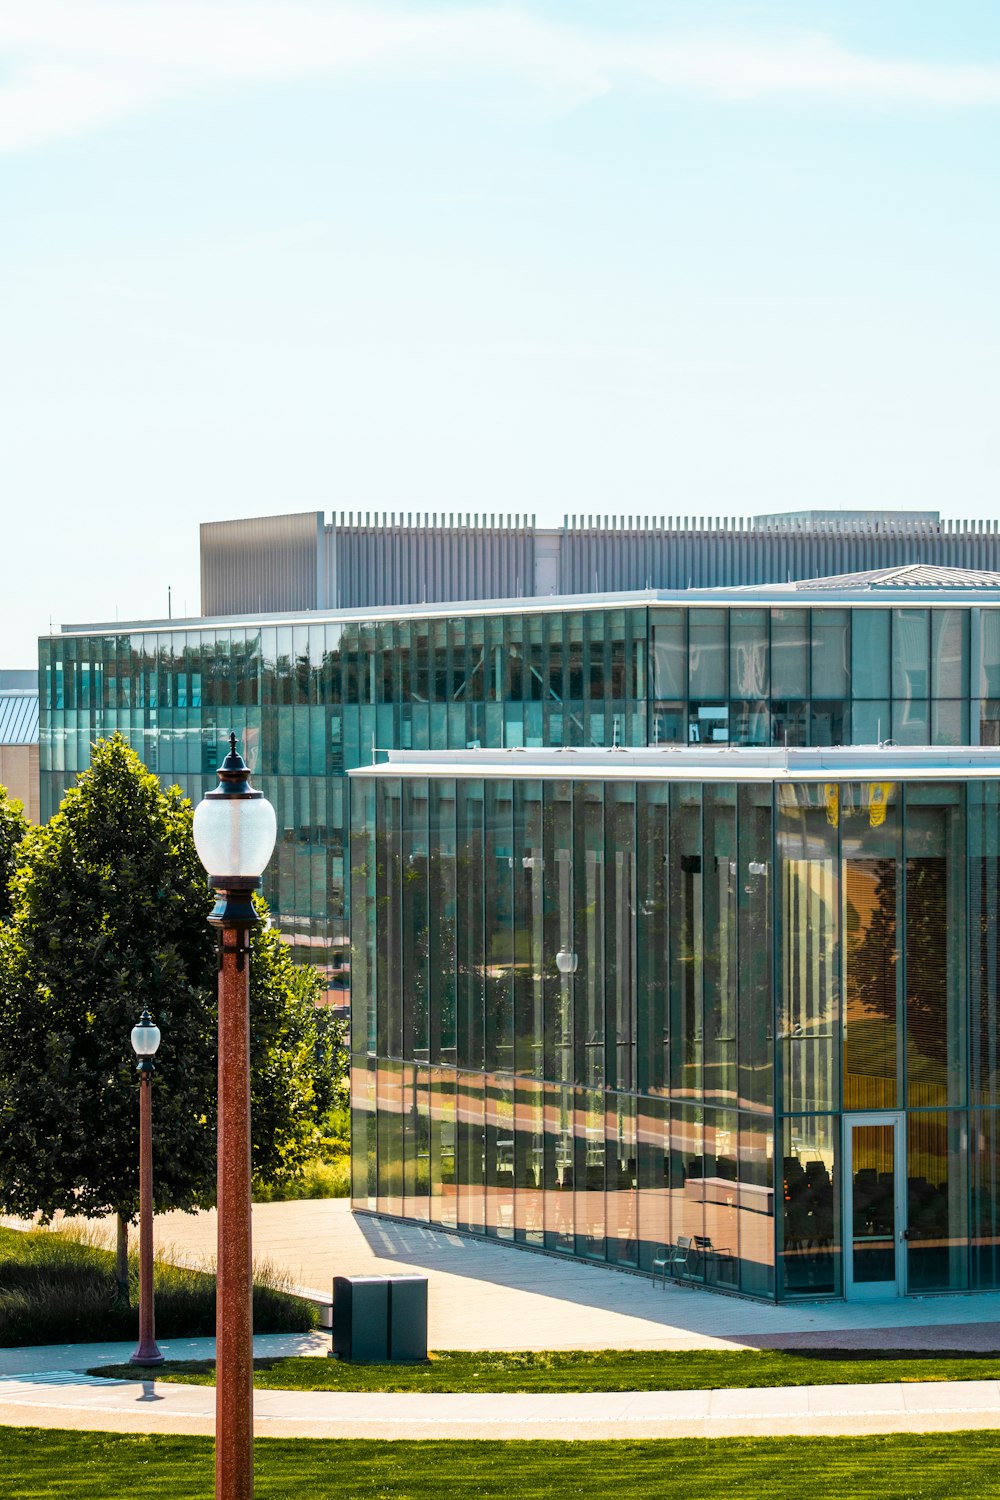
(145, 1040)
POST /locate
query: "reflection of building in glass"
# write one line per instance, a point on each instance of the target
(774, 1052)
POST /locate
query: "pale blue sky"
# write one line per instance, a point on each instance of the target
(651, 258)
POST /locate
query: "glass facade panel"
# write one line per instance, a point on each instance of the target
(984, 1226)
(870, 854)
(935, 945)
(560, 1218)
(756, 1206)
(669, 656)
(984, 940)
(754, 906)
(989, 654)
(749, 654)
(498, 917)
(809, 912)
(652, 934)
(870, 656)
(687, 943)
(707, 646)
(811, 1239)
(910, 654)
(653, 1131)
(720, 935)
(831, 653)
(937, 1210)
(790, 653)
(620, 936)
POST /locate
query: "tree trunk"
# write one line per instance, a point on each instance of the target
(121, 1258)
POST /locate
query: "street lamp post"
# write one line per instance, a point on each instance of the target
(234, 833)
(145, 1040)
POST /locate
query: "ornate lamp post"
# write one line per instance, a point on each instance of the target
(145, 1040)
(234, 833)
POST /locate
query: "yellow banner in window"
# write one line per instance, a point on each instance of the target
(831, 792)
(878, 800)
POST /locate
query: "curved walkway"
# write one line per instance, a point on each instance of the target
(47, 1386)
(70, 1400)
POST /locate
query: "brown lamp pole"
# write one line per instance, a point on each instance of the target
(145, 1040)
(234, 833)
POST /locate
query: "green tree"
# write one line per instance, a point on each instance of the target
(109, 914)
(13, 827)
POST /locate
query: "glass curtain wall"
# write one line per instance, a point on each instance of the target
(612, 1072)
(834, 675)
(597, 1012)
(313, 700)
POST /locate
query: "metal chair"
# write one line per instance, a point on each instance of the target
(680, 1256)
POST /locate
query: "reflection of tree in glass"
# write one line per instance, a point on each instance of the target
(927, 967)
(870, 973)
(871, 934)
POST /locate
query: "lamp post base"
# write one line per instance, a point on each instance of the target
(146, 1353)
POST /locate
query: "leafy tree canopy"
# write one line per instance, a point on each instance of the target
(109, 914)
(13, 827)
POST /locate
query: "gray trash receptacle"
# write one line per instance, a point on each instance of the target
(380, 1318)
(407, 1317)
(361, 1318)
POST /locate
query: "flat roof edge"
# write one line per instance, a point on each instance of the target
(849, 763)
(737, 596)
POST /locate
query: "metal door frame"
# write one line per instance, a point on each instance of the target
(874, 1290)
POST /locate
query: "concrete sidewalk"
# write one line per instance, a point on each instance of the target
(70, 1359)
(65, 1400)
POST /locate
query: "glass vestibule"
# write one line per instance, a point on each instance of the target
(664, 997)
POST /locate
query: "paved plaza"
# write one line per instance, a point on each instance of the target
(485, 1295)
(493, 1296)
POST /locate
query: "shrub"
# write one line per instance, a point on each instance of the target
(60, 1287)
(318, 1179)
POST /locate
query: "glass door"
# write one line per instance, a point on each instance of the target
(874, 1205)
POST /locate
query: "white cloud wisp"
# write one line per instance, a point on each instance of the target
(68, 67)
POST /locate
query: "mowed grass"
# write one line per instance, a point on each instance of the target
(58, 1286)
(50, 1464)
(598, 1370)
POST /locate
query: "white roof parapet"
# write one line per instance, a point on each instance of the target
(700, 763)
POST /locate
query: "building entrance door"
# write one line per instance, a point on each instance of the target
(874, 1205)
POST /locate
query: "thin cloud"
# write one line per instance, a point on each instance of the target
(73, 66)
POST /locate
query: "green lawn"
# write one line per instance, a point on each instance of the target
(54, 1465)
(600, 1370)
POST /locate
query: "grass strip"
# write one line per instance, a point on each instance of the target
(598, 1370)
(51, 1464)
(58, 1286)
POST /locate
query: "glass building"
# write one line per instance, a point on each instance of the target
(911, 655)
(649, 959)
(734, 1010)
